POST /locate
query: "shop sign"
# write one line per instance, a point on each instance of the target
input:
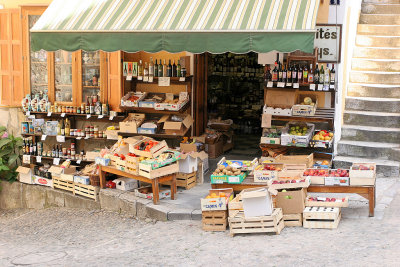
(328, 40)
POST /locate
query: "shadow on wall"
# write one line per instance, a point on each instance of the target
(11, 118)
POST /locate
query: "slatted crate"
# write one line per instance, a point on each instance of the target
(88, 191)
(293, 219)
(321, 217)
(238, 224)
(63, 184)
(215, 220)
(185, 180)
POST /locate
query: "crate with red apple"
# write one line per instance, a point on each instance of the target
(265, 172)
(287, 183)
(312, 201)
(338, 177)
(317, 176)
(363, 170)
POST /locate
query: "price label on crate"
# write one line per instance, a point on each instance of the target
(234, 179)
(320, 86)
(312, 86)
(100, 116)
(56, 161)
(60, 138)
(281, 84)
(129, 78)
(78, 162)
(48, 114)
(296, 85)
(63, 115)
(270, 84)
(26, 159)
(43, 137)
(140, 78)
(289, 84)
(145, 78)
(111, 118)
(164, 81)
(326, 87)
(39, 159)
(88, 116)
(151, 78)
(181, 79)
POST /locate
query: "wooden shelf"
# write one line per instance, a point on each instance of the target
(302, 87)
(296, 147)
(94, 117)
(62, 159)
(154, 111)
(90, 86)
(158, 135)
(173, 80)
(321, 115)
(68, 137)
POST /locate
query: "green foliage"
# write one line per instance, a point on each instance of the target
(10, 154)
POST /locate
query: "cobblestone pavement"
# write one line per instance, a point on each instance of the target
(65, 237)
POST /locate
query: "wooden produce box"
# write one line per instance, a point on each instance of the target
(359, 175)
(305, 110)
(274, 223)
(279, 102)
(147, 192)
(216, 220)
(113, 160)
(132, 165)
(316, 176)
(88, 191)
(63, 184)
(175, 127)
(321, 217)
(146, 170)
(287, 183)
(154, 151)
(262, 176)
(322, 202)
(131, 123)
(185, 180)
(220, 203)
(293, 219)
(296, 159)
(120, 164)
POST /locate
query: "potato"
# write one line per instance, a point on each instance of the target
(234, 169)
(221, 167)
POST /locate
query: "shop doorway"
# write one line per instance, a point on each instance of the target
(235, 93)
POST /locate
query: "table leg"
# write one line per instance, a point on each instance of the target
(156, 190)
(102, 176)
(371, 198)
(173, 186)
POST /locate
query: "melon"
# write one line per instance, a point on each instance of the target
(307, 100)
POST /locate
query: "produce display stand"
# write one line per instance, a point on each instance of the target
(154, 182)
(368, 192)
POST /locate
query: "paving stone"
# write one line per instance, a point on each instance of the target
(77, 202)
(196, 215)
(10, 195)
(179, 215)
(34, 196)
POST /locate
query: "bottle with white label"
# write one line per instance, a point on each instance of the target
(327, 75)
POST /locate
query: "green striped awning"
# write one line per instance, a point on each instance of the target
(177, 25)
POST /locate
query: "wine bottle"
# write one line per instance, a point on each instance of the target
(151, 67)
(310, 75)
(67, 127)
(165, 73)
(327, 75)
(294, 74)
(289, 74)
(146, 70)
(305, 74)
(178, 69)
(140, 68)
(62, 127)
(59, 128)
(316, 74)
(169, 69)
(280, 72)
(174, 71)
(333, 73)
(53, 152)
(275, 72)
(284, 74)
(321, 75)
(299, 74)
(156, 69)
(160, 69)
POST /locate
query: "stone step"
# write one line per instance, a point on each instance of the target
(381, 30)
(369, 118)
(384, 168)
(381, 19)
(369, 8)
(374, 77)
(373, 104)
(373, 90)
(381, 1)
(387, 151)
(377, 41)
(370, 134)
(388, 65)
(376, 52)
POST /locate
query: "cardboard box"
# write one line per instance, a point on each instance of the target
(131, 123)
(57, 171)
(43, 181)
(25, 175)
(215, 150)
(112, 134)
(291, 201)
(305, 110)
(67, 177)
(277, 98)
(82, 179)
(296, 159)
(126, 184)
(277, 111)
(178, 128)
(192, 147)
(217, 203)
(257, 202)
(188, 163)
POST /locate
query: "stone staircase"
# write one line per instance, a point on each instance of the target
(371, 120)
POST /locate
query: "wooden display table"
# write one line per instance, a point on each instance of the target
(154, 182)
(367, 192)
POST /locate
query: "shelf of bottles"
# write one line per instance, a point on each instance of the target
(90, 74)
(38, 65)
(302, 77)
(63, 76)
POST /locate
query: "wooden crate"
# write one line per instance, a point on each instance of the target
(261, 224)
(63, 184)
(147, 171)
(132, 165)
(215, 220)
(186, 180)
(321, 217)
(88, 191)
(293, 219)
(310, 203)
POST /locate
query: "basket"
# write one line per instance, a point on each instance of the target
(94, 180)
